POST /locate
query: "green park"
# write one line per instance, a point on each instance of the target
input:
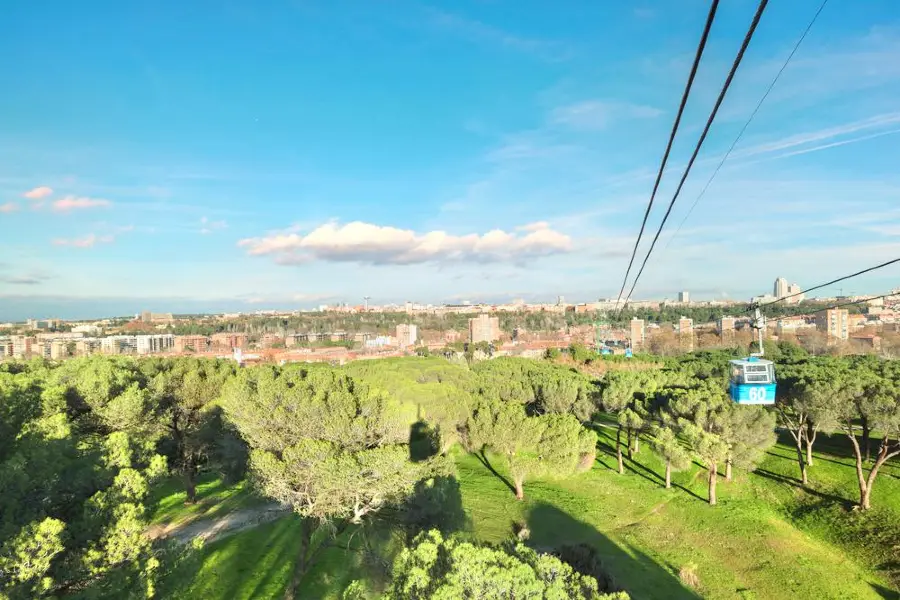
(574, 476)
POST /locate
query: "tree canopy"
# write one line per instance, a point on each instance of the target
(438, 568)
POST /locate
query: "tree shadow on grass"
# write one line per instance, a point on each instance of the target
(259, 559)
(640, 469)
(627, 568)
(796, 484)
(483, 459)
(886, 593)
(816, 457)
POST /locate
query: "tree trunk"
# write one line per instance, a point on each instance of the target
(190, 486)
(880, 459)
(630, 446)
(866, 438)
(865, 502)
(637, 442)
(864, 489)
(728, 469)
(713, 475)
(520, 493)
(811, 432)
(619, 450)
(668, 474)
(301, 563)
(801, 462)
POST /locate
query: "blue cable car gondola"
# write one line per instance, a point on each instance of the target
(753, 381)
(753, 378)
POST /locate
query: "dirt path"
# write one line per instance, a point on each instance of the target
(213, 529)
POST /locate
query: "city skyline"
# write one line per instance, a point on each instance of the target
(285, 156)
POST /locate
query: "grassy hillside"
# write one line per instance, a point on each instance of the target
(768, 538)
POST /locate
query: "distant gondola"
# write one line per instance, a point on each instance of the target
(753, 378)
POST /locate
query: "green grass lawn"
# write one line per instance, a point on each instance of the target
(258, 563)
(215, 498)
(767, 538)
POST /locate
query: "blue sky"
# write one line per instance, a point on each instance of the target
(204, 155)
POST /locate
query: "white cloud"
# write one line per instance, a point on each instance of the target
(208, 226)
(38, 193)
(854, 140)
(88, 241)
(827, 133)
(374, 244)
(79, 202)
(534, 226)
(9, 207)
(599, 114)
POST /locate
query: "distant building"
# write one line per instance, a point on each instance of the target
(87, 346)
(152, 344)
(686, 333)
(762, 299)
(195, 343)
(380, 341)
(684, 297)
(270, 340)
(795, 293)
(834, 322)
(228, 341)
(22, 346)
(87, 329)
(791, 325)
(484, 328)
(42, 337)
(856, 321)
(638, 333)
(51, 349)
(726, 324)
(59, 349)
(868, 341)
(780, 288)
(119, 344)
(726, 328)
(406, 335)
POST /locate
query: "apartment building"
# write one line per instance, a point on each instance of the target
(834, 322)
(22, 346)
(686, 333)
(484, 328)
(407, 335)
(726, 327)
(192, 343)
(87, 346)
(119, 344)
(152, 344)
(227, 341)
(638, 333)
